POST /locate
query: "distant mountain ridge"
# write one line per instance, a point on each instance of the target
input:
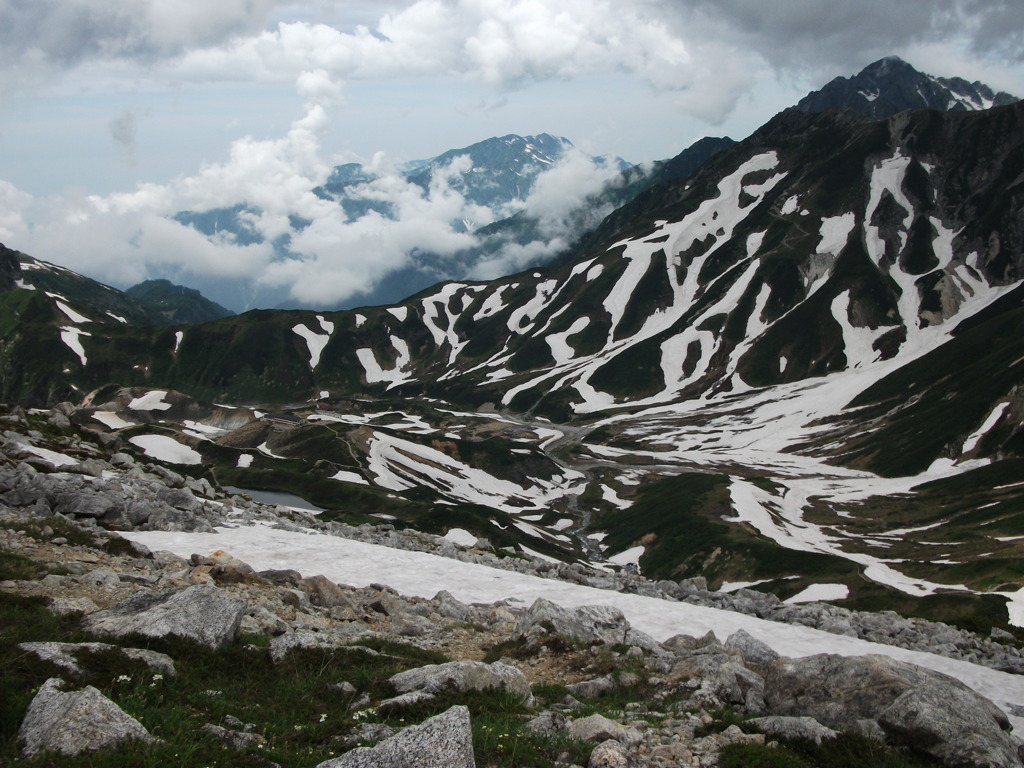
(805, 359)
(176, 304)
(891, 85)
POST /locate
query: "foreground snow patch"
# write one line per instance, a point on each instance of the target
(423, 574)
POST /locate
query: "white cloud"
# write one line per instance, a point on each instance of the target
(559, 193)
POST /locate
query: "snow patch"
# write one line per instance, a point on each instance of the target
(461, 536)
(164, 448)
(151, 401)
(817, 593)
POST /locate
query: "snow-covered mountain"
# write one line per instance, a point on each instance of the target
(891, 85)
(801, 364)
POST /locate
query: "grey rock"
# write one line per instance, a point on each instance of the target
(366, 734)
(202, 613)
(74, 722)
(917, 707)
(950, 724)
(63, 655)
(66, 605)
(600, 728)
(404, 701)
(463, 676)
(445, 740)
(754, 651)
(411, 625)
(447, 606)
(101, 577)
(609, 754)
(281, 645)
(587, 624)
(80, 503)
(793, 728)
(239, 740)
(588, 689)
(548, 722)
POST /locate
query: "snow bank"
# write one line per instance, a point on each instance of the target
(422, 574)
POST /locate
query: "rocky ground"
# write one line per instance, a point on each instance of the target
(581, 684)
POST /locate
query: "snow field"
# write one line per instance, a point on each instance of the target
(422, 574)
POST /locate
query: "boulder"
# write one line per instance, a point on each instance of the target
(239, 740)
(445, 740)
(549, 723)
(325, 593)
(600, 728)
(952, 725)
(462, 676)
(754, 651)
(793, 728)
(202, 613)
(589, 689)
(587, 624)
(74, 722)
(63, 655)
(334, 638)
(916, 707)
(609, 754)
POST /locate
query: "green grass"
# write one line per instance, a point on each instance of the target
(844, 751)
(292, 704)
(679, 520)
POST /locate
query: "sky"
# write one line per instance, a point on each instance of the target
(117, 114)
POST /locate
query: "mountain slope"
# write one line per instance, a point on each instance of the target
(808, 351)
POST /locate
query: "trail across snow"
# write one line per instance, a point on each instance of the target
(423, 574)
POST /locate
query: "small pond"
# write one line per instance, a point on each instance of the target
(276, 497)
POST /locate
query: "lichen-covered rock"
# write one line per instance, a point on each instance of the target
(445, 740)
(75, 721)
(600, 728)
(63, 655)
(951, 724)
(793, 728)
(916, 707)
(609, 754)
(754, 651)
(587, 624)
(202, 613)
(462, 676)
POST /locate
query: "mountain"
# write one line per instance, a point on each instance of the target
(800, 366)
(891, 85)
(176, 304)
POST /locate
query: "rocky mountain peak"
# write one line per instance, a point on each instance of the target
(891, 85)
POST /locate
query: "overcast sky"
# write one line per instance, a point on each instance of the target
(115, 114)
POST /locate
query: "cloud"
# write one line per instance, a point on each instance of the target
(814, 35)
(124, 130)
(43, 37)
(560, 193)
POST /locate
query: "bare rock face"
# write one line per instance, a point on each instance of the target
(916, 707)
(445, 740)
(203, 613)
(462, 676)
(74, 722)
